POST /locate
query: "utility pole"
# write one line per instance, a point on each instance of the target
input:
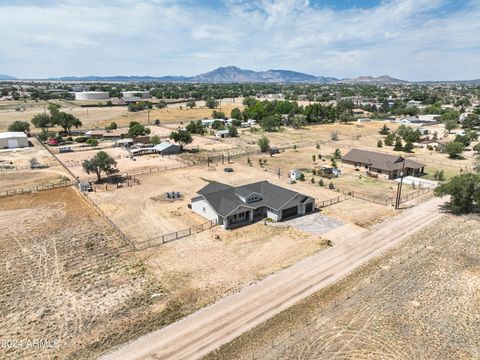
(399, 188)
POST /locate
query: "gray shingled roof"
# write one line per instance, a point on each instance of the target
(380, 161)
(224, 199)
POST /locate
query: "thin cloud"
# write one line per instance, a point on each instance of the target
(411, 39)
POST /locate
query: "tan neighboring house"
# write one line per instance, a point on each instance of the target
(386, 166)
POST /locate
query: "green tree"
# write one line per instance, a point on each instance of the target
(476, 165)
(155, 140)
(92, 142)
(100, 163)
(398, 145)
(314, 158)
(270, 123)
(196, 127)
(450, 124)
(161, 104)
(236, 113)
(346, 117)
(43, 121)
(66, 121)
(45, 135)
(464, 191)
(379, 143)
(113, 126)
(477, 148)
(385, 130)
(218, 125)
(337, 154)
(408, 147)
(181, 137)
(390, 139)
(462, 139)
(454, 149)
(264, 144)
(218, 114)
(232, 131)
(20, 126)
(191, 104)
(136, 129)
(211, 103)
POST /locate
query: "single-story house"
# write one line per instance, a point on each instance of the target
(233, 206)
(166, 148)
(115, 134)
(222, 133)
(410, 121)
(97, 134)
(13, 140)
(384, 165)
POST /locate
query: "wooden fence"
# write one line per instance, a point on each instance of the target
(30, 189)
(162, 239)
(335, 200)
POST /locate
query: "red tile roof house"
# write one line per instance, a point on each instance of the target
(384, 165)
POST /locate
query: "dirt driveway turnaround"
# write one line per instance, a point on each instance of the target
(206, 330)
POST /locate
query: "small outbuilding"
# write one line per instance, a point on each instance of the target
(166, 148)
(13, 140)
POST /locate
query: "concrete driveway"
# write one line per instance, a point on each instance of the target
(315, 223)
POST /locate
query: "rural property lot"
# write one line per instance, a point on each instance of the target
(405, 305)
(195, 336)
(68, 277)
(64, 278)
(99, 117)
(124, 163)
(142, 211)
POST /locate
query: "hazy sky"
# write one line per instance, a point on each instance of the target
(407, 39)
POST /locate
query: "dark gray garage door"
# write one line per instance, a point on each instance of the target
(309, 207)
(289, 212)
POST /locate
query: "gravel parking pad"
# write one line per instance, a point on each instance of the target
(316, 223)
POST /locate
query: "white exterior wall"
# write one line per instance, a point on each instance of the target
(201, 207)
(142, 94)
(13, 142)
(272, 214)
(91, 95)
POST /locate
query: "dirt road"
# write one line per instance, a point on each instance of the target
(206, 330)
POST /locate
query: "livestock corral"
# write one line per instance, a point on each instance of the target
(420, 300)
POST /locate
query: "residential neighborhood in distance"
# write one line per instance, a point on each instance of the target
(240, 180)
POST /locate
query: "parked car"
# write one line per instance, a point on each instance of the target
(228, 170)
(52, 142)
(65, 149)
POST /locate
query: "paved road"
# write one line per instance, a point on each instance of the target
(206, 330)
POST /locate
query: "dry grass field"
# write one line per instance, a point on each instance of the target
(99, 117)
(68, 277)
(419, 301)
(64, 278)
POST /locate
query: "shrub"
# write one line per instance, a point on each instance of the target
(331, 186)
(92, 142)
(81, 139)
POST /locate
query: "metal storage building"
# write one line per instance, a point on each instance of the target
(13, 140)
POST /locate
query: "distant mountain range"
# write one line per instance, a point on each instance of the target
(233, 74)
(7, 77)
(384, 79)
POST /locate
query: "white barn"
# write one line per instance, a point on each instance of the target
(13, 140)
